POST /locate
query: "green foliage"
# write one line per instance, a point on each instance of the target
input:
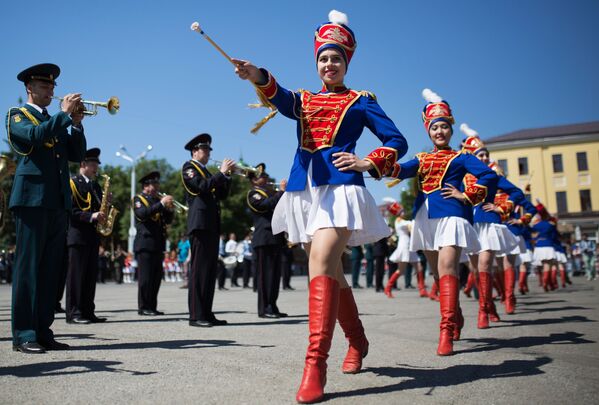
(407, 197)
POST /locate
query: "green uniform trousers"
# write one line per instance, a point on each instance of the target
(41, 235)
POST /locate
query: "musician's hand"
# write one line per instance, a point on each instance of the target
(98, 216)
(246, 71)
(283, 185)
(449, 191)
(345, 161)
(227, 166)
(77, 117)
(71, 102)
(167, 201)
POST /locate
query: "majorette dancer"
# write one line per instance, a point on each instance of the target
(494, 237)
(402, 254)
(544, 233)
(326, 202)
(442, 212)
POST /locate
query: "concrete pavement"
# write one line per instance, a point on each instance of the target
(546, 353)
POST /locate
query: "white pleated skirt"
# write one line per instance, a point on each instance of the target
(434, 233)
(520, 248)
(495, 237)
(302, 213)
(543, 253)
(561, 257)
(526, 257)
(402, 254)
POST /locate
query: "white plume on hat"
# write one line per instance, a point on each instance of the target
(467, 130)
(388, 200)
(430, 96)
(337, 17)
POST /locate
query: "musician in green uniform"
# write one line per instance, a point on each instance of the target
(40, 202)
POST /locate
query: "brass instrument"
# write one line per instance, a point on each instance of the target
(91, 107)
(241, 169)
(7, 168)
(104, 227)
(179, 207)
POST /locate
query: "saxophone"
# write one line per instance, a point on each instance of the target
(104, 227)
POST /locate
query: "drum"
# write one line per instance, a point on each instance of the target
(230, 262)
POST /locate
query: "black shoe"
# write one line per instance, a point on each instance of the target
(269, 315)
(357, 286)
(79, 321)
(223, 289)
(218, 322)
(246, 286)
(29, 348)
(158, 312)
(59, 310)
(201, 324)
(234, 285)
(95, 319)
(146, 312)
(54, 345)
(282, 314)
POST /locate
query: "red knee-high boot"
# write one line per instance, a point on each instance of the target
(469, 284)
(323, 306)
(433, 294)
(510, 282)
(349, 320)
(390, 284)
(498, 282)
(448, 302)
(522, 282)
(546, 280)
(484, 292)
(526, 290)
(563, 277)
(554, 284)
(421, 285)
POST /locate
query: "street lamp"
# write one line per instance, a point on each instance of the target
(122, 152)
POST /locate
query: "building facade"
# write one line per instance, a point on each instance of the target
(560, 167)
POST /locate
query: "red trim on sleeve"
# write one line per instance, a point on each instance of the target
(382, 160)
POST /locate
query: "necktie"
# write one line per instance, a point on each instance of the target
(45, 113)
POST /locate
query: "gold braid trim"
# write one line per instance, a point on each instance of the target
(145, 202)
(199, 169)
(78, 197)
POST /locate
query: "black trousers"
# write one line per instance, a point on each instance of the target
(268, 277)
(246, 266)
(40, 243)
(286, 271)
(221, 272)
(202, 275)
(379, 272)
(62, 278)
(81, 280)
(149, 267)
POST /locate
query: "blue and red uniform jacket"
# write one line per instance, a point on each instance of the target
(330, 122)
(503, 186)
(529, 212)
(446, 166)
(526, 234)
(546, 233)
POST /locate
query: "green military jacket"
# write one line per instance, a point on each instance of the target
(44, 147)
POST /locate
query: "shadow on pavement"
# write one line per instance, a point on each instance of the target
(167, 344)
(523, 301)
(62, 368)
(555, 309)
(488, 344)
(415, 378)
(508, 322)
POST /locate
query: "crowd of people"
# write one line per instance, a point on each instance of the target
(470, 226)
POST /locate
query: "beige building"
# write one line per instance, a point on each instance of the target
(561, 165)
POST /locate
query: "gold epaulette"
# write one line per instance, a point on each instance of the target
(366, 93)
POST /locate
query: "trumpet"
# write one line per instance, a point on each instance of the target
(241, 169)
(180, 208)
(91, 107)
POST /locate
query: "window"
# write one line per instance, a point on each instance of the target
(585, 200)
(523, 166)
(558, 165)
(581, 160)
(503, 164)
(562, 202)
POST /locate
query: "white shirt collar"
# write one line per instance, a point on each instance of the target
(38, 108)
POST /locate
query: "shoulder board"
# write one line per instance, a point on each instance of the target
(366, 93)
(419, 155)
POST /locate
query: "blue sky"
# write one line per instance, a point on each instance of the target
(503, 66)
